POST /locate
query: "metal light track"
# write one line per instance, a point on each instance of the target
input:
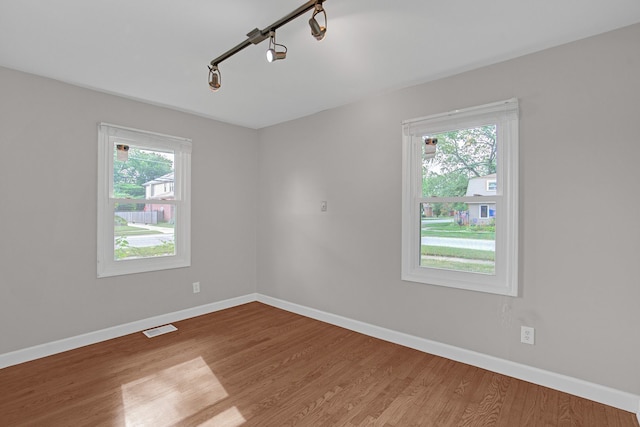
(256, 36)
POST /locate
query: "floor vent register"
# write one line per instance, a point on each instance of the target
(150, 333)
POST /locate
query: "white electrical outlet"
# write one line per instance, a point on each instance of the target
(527, 335)
(323, 206)
(196, 287)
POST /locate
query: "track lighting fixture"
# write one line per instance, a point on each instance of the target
(256, 36)
(272, 54)
(215, 78)
(317, 30)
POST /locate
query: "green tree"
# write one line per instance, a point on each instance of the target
(140, 167)
(460, 155)
(447, 184)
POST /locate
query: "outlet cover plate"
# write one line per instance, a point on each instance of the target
(527, 335)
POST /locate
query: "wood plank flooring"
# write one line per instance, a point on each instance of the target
(256, 365)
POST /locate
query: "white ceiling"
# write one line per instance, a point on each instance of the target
(157, 51)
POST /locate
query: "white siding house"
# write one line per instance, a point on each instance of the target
(482, 213)
(161, 188)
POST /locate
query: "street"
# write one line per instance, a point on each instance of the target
(149, 240)
(454, 242)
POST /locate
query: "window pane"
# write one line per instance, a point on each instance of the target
(141, 173)
(454, 236)
(143, 230)
(459, 163)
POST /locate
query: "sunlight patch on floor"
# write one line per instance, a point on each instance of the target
(229, 418)
(175, 394)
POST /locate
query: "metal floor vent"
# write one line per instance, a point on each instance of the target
(150, 333)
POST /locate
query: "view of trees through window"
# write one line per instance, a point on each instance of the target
(144, 228)
(458, 231)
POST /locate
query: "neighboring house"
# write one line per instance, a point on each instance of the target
(482, 213)
(160, 188)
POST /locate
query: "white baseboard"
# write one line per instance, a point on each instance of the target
(43, 350)
(598, 393)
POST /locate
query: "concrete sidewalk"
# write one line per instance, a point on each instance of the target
(163, 230)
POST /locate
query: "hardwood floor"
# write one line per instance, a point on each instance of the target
(256, 365)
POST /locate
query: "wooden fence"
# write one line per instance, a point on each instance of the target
(139, 217)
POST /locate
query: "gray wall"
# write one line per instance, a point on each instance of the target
(48, 160)
(579, 267)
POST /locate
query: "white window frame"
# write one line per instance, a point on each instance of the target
(108, 135)
(504, 114)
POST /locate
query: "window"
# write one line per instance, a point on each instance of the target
(143, 201)
(460, 199)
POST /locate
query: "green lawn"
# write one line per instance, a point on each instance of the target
(449, 264)
(454, 259)
(126, 230)
(452, 229)
(164, 225)
(124, 251)
(446, 251)
(123, 229)
(146, 252)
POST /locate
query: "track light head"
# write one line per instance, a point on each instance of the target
(272, 53)
(215, 78)
(317, 30)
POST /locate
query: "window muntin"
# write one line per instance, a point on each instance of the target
(143, 201)
(452, 235)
